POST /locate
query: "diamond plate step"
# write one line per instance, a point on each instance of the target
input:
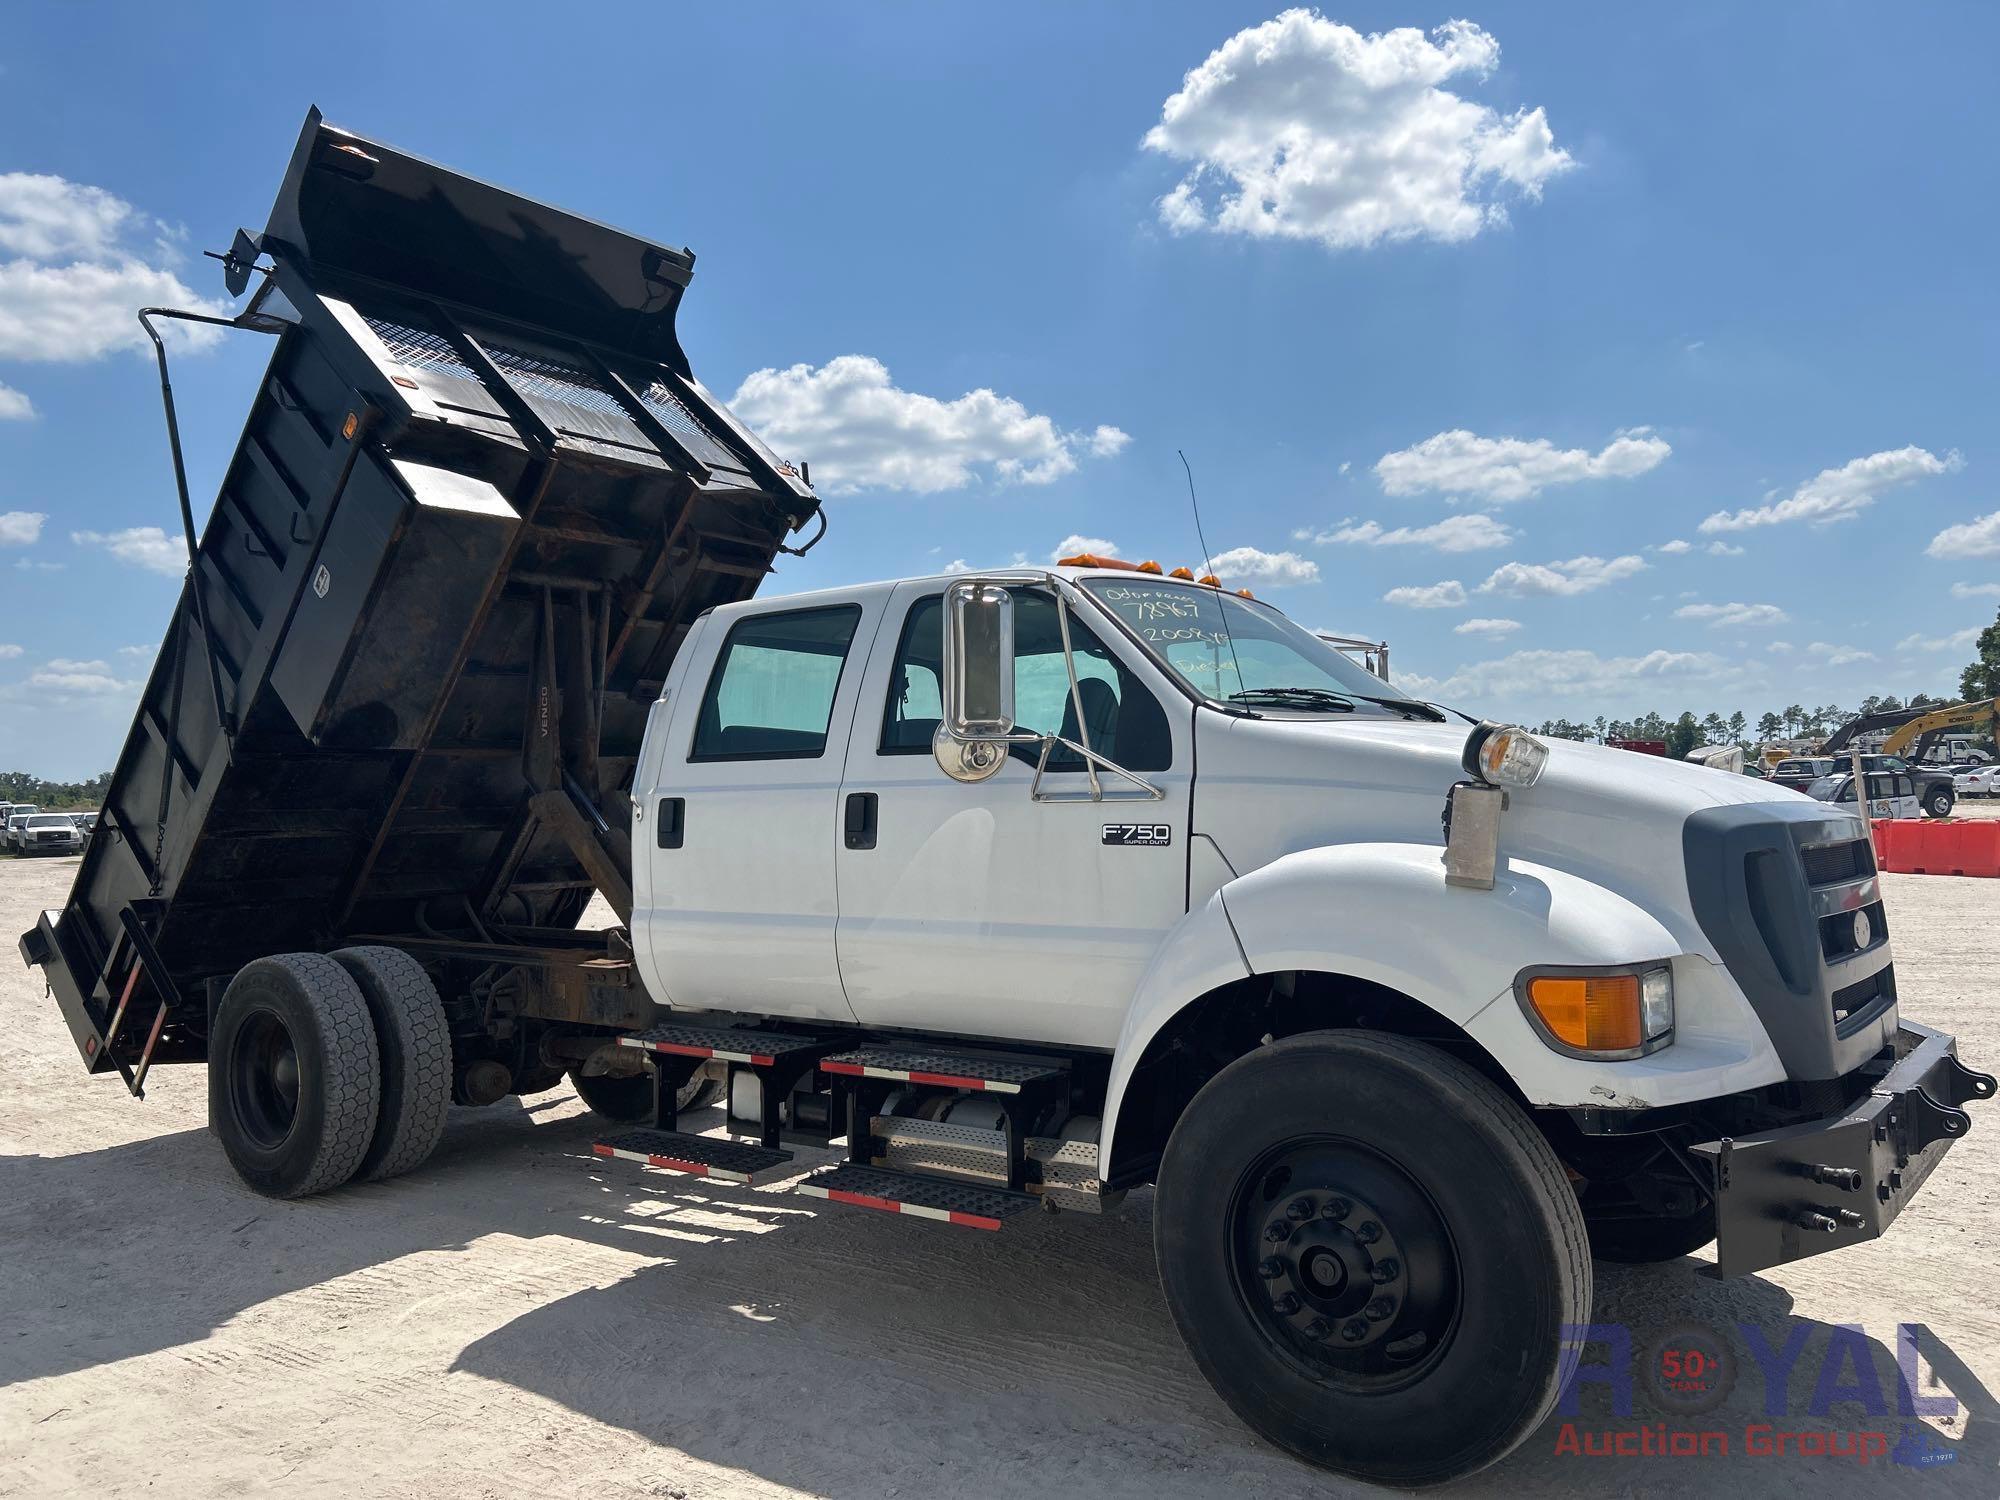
(960, 1203)
(696, 1155)
(758, 1048)
(994, 1075)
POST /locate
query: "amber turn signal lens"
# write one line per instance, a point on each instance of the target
(1592, 1013)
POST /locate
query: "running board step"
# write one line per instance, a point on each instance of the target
(696, 1155)
(992, 1074)
(962, 1203)
(760, 1049)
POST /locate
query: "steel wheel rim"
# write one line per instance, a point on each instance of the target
(264, 1079)
(1344, 1264)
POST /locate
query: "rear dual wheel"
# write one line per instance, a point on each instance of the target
(1373, 1255)
(325, 1068)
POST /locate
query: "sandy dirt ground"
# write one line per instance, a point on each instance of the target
(517, 1318)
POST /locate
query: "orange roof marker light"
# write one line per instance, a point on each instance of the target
(1092, 560)
(1186, 575)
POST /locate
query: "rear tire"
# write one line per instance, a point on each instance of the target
(1373, 1255)
(294, 1075)
(414, 1040)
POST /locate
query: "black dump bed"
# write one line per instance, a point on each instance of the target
(479, 500)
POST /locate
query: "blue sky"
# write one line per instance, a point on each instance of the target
(1552, 286)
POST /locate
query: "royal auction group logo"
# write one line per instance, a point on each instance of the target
(1689, 1371)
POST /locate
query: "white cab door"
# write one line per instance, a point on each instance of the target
(977, 910)
(736, 908)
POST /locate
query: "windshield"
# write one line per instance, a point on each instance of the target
(1236, 650)
(50, 820)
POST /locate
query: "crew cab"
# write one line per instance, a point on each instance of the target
(995, 894)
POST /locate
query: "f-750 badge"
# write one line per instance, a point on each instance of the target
(1143, 835)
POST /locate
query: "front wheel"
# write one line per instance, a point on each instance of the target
(1938, 801)
(1356, 1232)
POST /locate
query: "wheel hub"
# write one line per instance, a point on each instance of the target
(1336, 1272)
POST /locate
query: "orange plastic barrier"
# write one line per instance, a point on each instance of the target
(1937, 846)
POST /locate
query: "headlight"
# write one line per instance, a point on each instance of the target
(1504, 755)
(1602, 1013)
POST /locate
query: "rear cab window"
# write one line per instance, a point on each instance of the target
(771, 693)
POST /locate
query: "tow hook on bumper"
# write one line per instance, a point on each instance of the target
(1784, 1194)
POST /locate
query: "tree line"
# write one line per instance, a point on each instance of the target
(19, 786)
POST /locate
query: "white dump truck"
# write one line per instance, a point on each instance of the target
(996, 894)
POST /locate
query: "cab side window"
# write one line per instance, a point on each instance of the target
(1125, 721)
(771, 694)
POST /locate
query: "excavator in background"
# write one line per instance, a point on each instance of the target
(1915, 730)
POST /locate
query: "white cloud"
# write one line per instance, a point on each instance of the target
(1729, 616)
(1975, 538)
(86, 679)
(1675, 548)
(1720, 548)
(36, 565)
(1073, 544)
(79, 264)
(1779, 647)
(1504, 469)
(1975, 591)
(9, 652)
(1837, 494)
(1245, 566)
(14, 405)
(1492, 629)
(1449, 594)
(1581, 674)
(956, 565)
(1958, 640)
(1579, 575)
(1468, 533)
(137, 650)
(1830, 655)
(1302, 128)
(21, 528)
(144, 546)
(862, 432)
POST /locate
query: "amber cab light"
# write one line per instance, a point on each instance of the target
(1590, 1012)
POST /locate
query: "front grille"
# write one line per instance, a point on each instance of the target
(1857, 1004)
(1829, 864)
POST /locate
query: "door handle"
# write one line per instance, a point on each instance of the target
(673, 822)
(861, 819)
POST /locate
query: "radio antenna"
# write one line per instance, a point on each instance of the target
(1208, 571)
(1207, 562)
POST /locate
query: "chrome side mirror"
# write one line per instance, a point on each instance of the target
(978, 676)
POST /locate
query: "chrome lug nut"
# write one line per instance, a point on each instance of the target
(1285, 1305)
(1278, 1233)
(1368, 1232)
(1379, 1310)
(1335, 1208)
(1318, 1328)
(1354, 1330)
(1299, 1210)
(1385, 1270)
(1270, 1268)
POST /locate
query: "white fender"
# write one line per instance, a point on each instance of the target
(1382, 912)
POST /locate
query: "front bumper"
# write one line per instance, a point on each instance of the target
(1783, 1194)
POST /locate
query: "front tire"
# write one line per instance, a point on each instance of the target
(1355, 1233)
(1938, 801)
(294, 1075)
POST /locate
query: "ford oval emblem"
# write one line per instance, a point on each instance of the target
(1864, 931)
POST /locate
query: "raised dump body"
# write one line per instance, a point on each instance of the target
(478, 501)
